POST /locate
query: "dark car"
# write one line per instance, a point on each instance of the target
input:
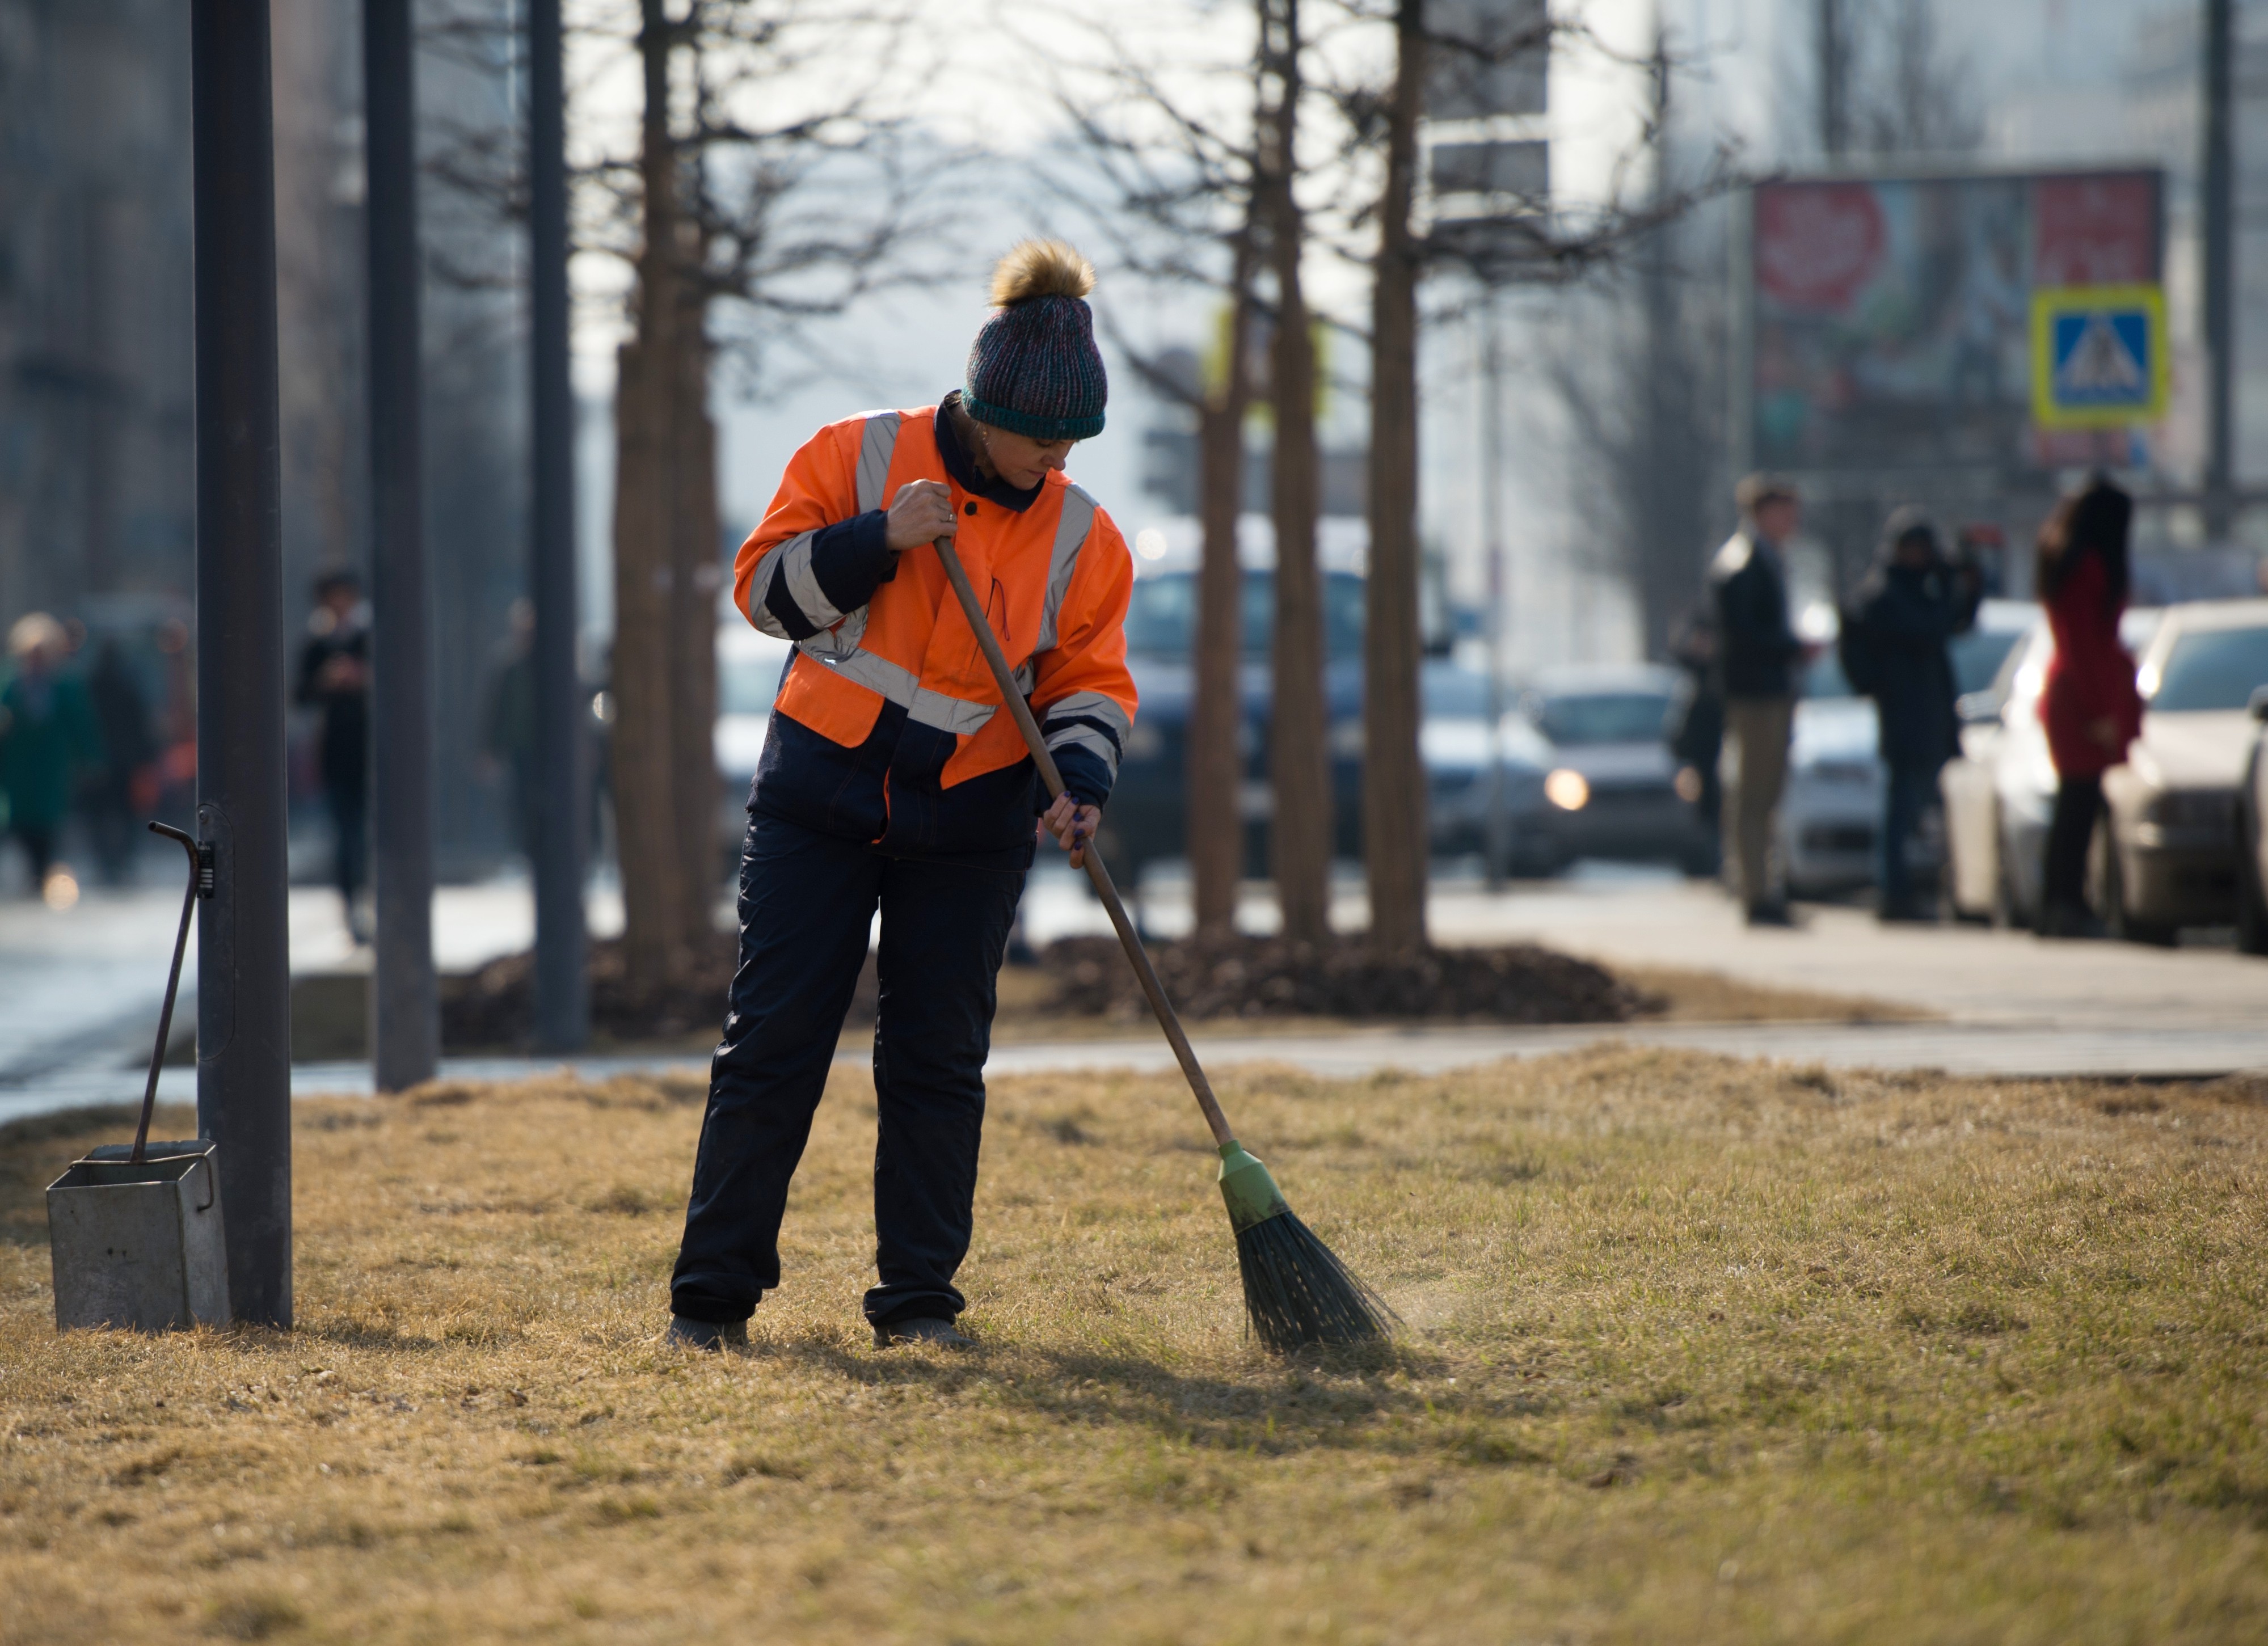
(1461, 756)
(1149, 806)
(1611, 789)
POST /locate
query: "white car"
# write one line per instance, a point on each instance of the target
(1998, 791)
(2252, 835)
(2166, 850)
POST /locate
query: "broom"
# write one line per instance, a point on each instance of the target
(1296, 1290)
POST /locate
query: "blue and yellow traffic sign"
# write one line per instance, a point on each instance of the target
(2099, 357)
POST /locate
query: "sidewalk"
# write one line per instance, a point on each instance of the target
(80, 990)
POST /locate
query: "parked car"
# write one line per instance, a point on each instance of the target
(2000, 790)
(1833, 801)
(2165, 853)
(1611, 790)
(2252, 835)
(1148, 811)
(1455, 743)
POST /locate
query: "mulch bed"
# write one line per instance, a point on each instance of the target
(1264, 977)
(1237, 977)
(494, 1007)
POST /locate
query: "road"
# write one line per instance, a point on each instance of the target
(79, 988)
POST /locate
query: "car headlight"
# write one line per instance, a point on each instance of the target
(1566, 789)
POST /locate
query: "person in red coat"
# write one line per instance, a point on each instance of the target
(2088, 704)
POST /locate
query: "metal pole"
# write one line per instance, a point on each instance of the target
(562, 994)
(244, 1018)
(1833, 120)
(1499, 842)
(2217, 201)
(406, 1015)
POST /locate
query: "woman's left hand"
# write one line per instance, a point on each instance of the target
(1072, 825)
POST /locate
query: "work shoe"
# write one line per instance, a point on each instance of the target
(922, 1329)
(1770, 915)
(710, 1337)
(2071, 919)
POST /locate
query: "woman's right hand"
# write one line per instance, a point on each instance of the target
(921, 512)
(2103, 731)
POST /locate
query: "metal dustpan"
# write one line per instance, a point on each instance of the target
(136, 1232)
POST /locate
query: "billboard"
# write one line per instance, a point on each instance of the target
(1890, 321)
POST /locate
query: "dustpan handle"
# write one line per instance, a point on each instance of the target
(1005, 677)
(200, 881)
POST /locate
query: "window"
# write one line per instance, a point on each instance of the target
(1573, 720)
(1977, 656)
(2212, 668)
(1161, 619)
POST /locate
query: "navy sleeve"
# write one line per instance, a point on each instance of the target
(1085, 778)
(850, 558)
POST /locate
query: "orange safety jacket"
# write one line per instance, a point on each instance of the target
(889, 727)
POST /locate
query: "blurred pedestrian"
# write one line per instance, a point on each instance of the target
(1895, 650)
(127, 787)
(508, 727)
(334, 680)
(1759, 659)
(2088, 703)
(1696, 740)
(48, 741)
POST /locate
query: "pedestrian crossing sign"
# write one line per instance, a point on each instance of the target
(2098, 356)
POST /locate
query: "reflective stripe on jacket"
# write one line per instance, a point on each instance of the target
(911, 747)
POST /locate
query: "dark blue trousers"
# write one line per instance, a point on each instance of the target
(807, 903)
(1913, 785)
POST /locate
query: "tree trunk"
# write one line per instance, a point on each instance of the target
(1300, 831)
(647, 482)
(1216, 765)
(695, 572)
(640, 753)
(1394, 775)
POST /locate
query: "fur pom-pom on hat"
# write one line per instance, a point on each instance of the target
(1040, 269)
(1034, 369)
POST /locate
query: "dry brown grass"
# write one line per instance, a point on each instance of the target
(1700, 1351)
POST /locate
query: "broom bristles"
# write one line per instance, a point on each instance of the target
(1296, 1292)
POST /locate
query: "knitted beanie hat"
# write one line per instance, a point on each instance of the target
(1033, 369)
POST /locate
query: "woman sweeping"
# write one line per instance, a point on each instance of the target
(2088, 704)
(893, 778)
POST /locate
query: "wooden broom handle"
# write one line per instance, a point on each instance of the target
(1005, 677)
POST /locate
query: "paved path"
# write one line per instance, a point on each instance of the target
(1967, 973)
(79, 989)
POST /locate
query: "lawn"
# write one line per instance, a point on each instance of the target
(1697, 1350)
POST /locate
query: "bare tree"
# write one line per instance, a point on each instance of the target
(1908, 94)
(1636, 374)
(1394, 774)
(666, 567)
(760, 194)
(1300, 828)
(1464, 46)
(1178, 203)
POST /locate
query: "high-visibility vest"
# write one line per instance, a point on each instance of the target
(1056, 578)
